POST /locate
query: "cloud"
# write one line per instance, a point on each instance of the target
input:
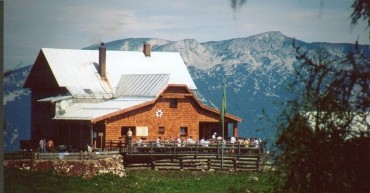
(30, 25)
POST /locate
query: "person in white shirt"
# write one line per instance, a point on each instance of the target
(89, 151)
(214, 136)
(158, 142)
(190, 140)
(178, 142)
(202, 141)
(256, 142)
(129, 133)
(206, 143)
(42, 145)
(232, 140)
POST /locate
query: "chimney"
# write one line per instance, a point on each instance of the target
(102, 61)
(146, 49)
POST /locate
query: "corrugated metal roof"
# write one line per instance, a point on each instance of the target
(81, 111)
(141, 84)
(77, 69)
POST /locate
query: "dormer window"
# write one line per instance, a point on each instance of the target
(173, 103)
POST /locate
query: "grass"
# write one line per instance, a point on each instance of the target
(137, 181)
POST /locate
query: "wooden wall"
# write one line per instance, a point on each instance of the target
(187, 114)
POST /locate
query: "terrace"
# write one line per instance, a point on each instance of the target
(167, 156)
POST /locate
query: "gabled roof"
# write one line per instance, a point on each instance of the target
(77, 70)
(149, 102)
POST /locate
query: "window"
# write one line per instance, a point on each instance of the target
(125, 129)
(161, 130)
(183, 131)
(142, 131)
(173, 103)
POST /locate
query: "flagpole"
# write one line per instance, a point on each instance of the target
(223, 111)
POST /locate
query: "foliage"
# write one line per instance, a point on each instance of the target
(235, 4)
(138, 181)
(361, 9)
(324, 133)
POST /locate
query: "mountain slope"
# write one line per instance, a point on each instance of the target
(17, 109)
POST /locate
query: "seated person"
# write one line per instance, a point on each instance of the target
(202, 140)
(240, 141)
(139, 142)
(214, 136)
(89, 148)
(158, 142)
(50, 146)
(246, 143)
(232, 140)
(205, 143)
(178, 142)
(190, 140)
(170, 140)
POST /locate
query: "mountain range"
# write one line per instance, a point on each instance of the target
(257, 70)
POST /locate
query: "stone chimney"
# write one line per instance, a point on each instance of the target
(102, 61)
(146, 49)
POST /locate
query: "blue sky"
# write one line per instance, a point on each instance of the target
(74, 24)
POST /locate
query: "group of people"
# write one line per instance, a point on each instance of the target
(190, 140)
(160, 141)
(177, 141)
(250, 142)
(46, 146)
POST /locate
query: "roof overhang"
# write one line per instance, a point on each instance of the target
(55, 99)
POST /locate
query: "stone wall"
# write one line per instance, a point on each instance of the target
(83, 168)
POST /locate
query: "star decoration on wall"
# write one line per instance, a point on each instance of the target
(159, 113)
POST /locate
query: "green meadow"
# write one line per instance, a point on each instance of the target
(137, 181)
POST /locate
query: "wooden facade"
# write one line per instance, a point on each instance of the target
(188, 118)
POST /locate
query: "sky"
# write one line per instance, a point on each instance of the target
(75, 24)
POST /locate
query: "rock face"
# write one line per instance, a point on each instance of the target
(83, 168)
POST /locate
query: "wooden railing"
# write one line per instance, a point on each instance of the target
(75, 155)
(19, 155)
(216, 148)
(60, 156)
(114, 145)
(152, 147)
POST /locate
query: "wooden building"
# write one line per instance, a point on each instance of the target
(84, 97)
